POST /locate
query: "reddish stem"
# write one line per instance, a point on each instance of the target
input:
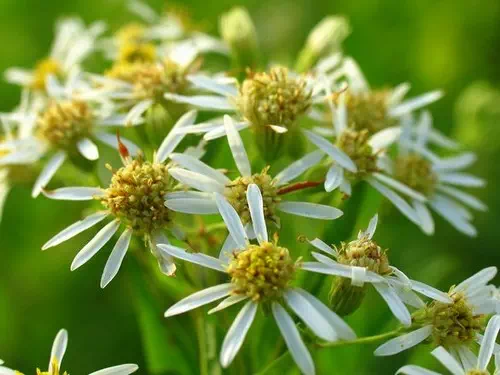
(299, 186)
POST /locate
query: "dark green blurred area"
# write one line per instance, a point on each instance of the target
(444, 44)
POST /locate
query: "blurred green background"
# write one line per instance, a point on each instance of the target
(445, 44)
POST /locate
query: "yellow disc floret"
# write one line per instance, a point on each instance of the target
(65, 123)
(136, 196)
(43, 69)
(416, 172)
(355, 144)
(261, 272)
(366, 253)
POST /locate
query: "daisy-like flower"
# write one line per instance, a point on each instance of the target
(134, 199)
(56, 356)
(260, 274)
(208, 181)
(72, 44)
(363, 261)
(453, 325)
(464, 362)
(355, 156)
(438, 179)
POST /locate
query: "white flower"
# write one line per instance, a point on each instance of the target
(134, 198)
(472, 299)
(72, 44)
(208, 181)
(56, 356)
(370, 265)
(277, 271)
(437, 178)
(464, 361)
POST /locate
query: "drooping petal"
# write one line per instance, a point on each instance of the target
(256, 208)
(48, 172)
(404, 342)
(237, 148)
(312, 210)
(232, 220)
(395, 304)
(116, 257)
(200, 298)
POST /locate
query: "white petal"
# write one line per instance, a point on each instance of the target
(463, 197)
(334, 152)
(118, 370)
(58, 348)
(200, 298)
(320, 245)
(334, 178)
(456, 162)
(137, 111)
(488, 344)
(404, 342)
(75, 229)
(111, 140)
(221, 131)
(256, 207)
(415, 370)
(441, 140)
(7, 371)
(448, 361)
(346, 188)
(173, 138)
(238, 150)
(196, 258)
(328, 269)
(398, 186)
(461, 179)
(454, 217)
(229, 301)
(478, 279)
(308, 313)
(195, 165)
(116, 257)
(298, 167)
(88, 149)
(48, 172)
(199, 206)
(398, 93)
(232, 220)
(398, 202)
(394, 302)
(430, 292)
(74, 193)
(358, 276)
(425, 217)
(312, 210)
(340, 114)
(95, 244)
(384, 138)
(415, 103)
(196, 180)
(293, 341)
(227, 249)
(117, 120)
(237, 333)
(212, 85)
(212, 102)
(372, 227)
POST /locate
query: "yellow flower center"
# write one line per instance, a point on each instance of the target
(262, 272)
(137, 52)
(43, 69)
(136, 196)
(355, 145)
(416, 172)
(273, 98)
(236, 192)
(364, 253)
(64, 123)
(131, 33)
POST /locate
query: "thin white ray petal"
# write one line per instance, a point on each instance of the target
(256, 208)
(112, 140)
(212, 85)
(196, 258)
(76, 193)
(196, 180)
(228, 247)
(125, 369)
(415, 370)
(296, 346)
(454, 217)
(212, 102)
(298, 167)
(346, 188)
(232, 220)
(48, 172)
(237, 333)
(200, 298)
(461, 179)
(463, 197)
(229, 301)
(116, 257)
(456, 162)
(311, 210)
(221, 131)
(320, 245)
(384, 138)
(340, 114)
(327, 268)
(372, 227)
(488, 344)
(424, 216)
(174, 137)
(439, 139)
(88, 149)
(137, 111)
(415, 103)
(195, 165)
(466, 356)
(404, 342)
(397, 307)
(199, 206)
(430, 292)
(75, 229)
(480, 278)
(334, 178)
(237, 148)
(334, 152)
(448, 361)
(398, 93)
(117, 120)
(398, 186)
(58, 348)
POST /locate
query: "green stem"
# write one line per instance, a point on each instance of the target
(202, 342)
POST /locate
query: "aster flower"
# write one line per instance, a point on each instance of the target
(437, 178)
(276, 271)
(207, 180)
(464, 362)
(452, 325)
(363, 261)
(56, 356)
(72, 44)
(355, 156)
(134, 199)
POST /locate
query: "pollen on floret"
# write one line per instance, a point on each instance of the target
(136, 196)
(355, 144)
(236, 191)
(274, 98)
(43, 69)
(364, 252)
(416, 172)
(262, 272)
(64, 123)
(55, 370)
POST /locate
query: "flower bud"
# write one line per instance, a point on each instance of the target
(344, 297)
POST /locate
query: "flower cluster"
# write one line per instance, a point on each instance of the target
(319, 122)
